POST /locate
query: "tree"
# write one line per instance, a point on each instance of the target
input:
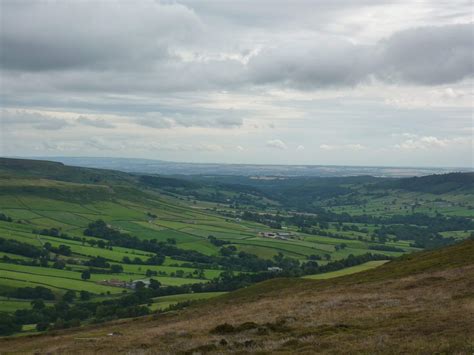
(84, 295)
(43, 262)
(139, 285)
(42, 326)
(97, 261)
(64, 250)
(61, 307)
(86, 275)
(91, 242)
(154, 284)
(33, 293)
(200, 274)
(69, 296)
(4, 217)
(59, 264)
(150, 273)
(8, 325)
(227, 251)
(37, 304)
(116, 268)
(59, 324)
(156, 260)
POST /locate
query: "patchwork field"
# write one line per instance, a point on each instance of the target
(131, 249)
(420, 302)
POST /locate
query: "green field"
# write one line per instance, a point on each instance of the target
(347, 271)
(192, 246)
(166, 301)
(189, 227)
(10, 305)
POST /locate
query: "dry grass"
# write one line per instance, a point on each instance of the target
(428, 312)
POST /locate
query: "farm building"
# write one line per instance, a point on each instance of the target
(125, 284)
(277, 235)
(113, 283)
(133, 284)
(267, 234)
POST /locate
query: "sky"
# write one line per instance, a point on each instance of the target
(340, 82)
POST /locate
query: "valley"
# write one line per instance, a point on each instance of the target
(91, 240)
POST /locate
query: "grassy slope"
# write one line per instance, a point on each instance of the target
(419, 303)
(347, 271)
(166, 301)
(77, 196)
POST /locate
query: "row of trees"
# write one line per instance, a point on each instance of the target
(15, 247)
(238, 261)
(423, 229)
(5, 218)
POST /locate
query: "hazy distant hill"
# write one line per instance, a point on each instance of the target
(176, 168)
(435, 184)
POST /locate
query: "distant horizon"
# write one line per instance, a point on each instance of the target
(247, 164)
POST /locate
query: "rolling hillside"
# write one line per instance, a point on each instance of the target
(81, 246)
(421, 303)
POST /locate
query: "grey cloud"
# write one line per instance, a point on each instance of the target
(154, 121)
(276, 143)
(20, 118)
(51, 124)
(98, 144)
(117, 47)
(86, 34)
(168, 76)
(157, 120)
(99, 123)
(218, 121)
(89, 34)
(321, 62)
(279, 13)
(426, 56)
(429, 55)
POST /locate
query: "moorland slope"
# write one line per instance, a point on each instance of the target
(418, 303)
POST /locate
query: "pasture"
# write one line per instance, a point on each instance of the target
(347, 271)
(161, 303)
(70, 207)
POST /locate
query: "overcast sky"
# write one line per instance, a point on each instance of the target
(287, 82)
